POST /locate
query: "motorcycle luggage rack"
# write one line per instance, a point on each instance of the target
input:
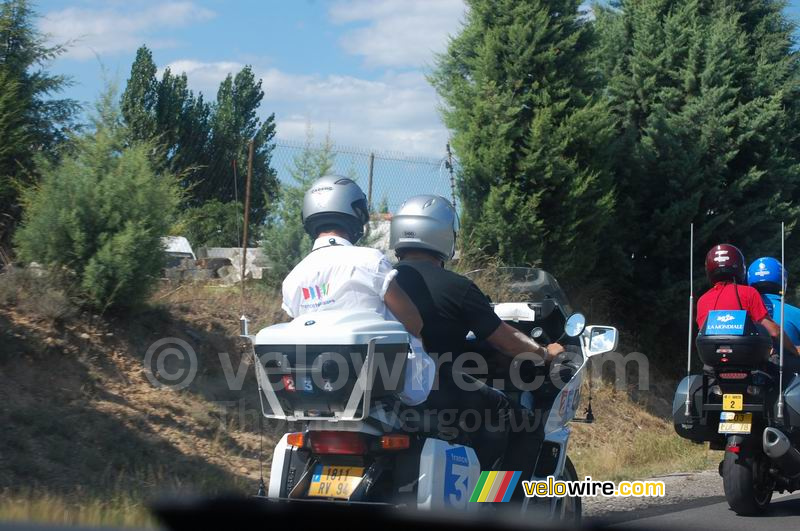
(362, 391)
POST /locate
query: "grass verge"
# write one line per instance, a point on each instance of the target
(626, 441)
(116, 510)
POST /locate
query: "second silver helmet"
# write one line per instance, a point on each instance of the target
(335, 201)
(426, 222)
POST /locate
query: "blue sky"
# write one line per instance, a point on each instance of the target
(354, 67)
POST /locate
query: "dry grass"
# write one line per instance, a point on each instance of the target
(76, 509)
(628, 442)
(223, 305)
(41, 294)
(89, 439)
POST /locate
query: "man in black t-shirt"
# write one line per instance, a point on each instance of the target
(451, 305)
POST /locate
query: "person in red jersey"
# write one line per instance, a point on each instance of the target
(727, 273)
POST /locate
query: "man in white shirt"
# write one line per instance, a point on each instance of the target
(337, 275)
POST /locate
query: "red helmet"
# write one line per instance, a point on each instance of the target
(726, 262)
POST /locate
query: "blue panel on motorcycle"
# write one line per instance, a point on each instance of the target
(725, 322)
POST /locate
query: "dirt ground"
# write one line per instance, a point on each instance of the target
(80, 415)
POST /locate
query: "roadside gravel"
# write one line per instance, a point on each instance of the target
(679, 487)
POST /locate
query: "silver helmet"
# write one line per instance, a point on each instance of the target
(335, 201)
(425, 222)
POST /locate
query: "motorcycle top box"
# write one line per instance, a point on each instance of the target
(731, 338)
(346, 359)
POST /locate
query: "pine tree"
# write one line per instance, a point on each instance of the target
(99, 215)
(199, 141)
(234, 122)
(704, 97)
(528, 134)
(32, 120)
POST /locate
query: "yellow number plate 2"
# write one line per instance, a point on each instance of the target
(732, 402)
(335, 481)
(739, 423)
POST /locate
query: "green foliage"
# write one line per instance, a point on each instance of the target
(203, 142)
(383, 207)
(32, 120)
(285, 239)
(704, 98)
(529, 135)
(100, 214)
(214, 224)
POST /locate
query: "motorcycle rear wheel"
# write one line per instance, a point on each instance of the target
(746, 490)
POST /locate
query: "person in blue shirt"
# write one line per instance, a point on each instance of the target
(767, 276)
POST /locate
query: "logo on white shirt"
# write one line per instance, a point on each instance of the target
(315, 292)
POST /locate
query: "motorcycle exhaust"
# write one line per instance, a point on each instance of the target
(779, 449)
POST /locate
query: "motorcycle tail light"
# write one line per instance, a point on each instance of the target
(395, 442)
(724, 350)
(295, 439)
(732, 375)
(337, 443)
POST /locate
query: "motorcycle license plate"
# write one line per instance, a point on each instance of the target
(732, 402)
(737, 423)
(335, 481)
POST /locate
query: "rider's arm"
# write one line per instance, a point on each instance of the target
(775, 331)
(401, 307)
(480, 317)
(512, 342)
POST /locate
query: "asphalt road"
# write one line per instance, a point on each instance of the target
(707, 514)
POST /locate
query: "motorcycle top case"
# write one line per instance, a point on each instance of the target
(314, 361)
(730, 338)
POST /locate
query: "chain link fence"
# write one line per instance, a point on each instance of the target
(387, 177)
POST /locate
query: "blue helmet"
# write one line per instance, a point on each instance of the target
(765, 275)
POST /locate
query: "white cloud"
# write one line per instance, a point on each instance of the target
(395, 113)
(111, 30)
(204, 77)
(398, 33)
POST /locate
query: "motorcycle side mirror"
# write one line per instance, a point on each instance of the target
(602, 339)
(575, 325)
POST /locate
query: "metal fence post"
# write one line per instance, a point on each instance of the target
(452, 176)
(369, 180)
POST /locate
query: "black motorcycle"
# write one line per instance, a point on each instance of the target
(734, 405)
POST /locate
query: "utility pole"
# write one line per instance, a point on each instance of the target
(246, 215)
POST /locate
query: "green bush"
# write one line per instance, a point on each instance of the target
(214, 224)
(100, 213)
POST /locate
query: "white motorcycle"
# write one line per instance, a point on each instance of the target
(339, 373)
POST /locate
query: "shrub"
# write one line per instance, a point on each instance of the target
(285, 241)
(100, 214)
(214, 224)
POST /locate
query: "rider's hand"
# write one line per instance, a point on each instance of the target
(553, 350)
